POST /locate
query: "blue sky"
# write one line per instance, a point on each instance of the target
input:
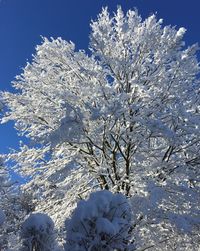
(22, 22)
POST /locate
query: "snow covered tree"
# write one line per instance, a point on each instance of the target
(2, 220)
(37, 233)
(14, 206)
(7, 212)
(124, 118)
(100, 223)
(7, 221)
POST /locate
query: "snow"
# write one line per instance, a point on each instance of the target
(2, 217)
(181, 32)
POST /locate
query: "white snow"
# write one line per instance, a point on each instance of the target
(2, 217)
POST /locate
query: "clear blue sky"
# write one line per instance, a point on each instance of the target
(23, 21)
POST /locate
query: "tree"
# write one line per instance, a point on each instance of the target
(124, 117)
(6, 207)
(14, 206)
(8, 215)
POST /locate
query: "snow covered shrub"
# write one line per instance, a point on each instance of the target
(37, 233)
(100, 223)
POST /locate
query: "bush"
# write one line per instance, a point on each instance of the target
(37, 233)
(100, 223)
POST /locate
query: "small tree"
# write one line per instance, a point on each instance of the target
(100, 223)
(37, 233)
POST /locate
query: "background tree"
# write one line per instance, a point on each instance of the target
(124, 118)
(14, 206)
